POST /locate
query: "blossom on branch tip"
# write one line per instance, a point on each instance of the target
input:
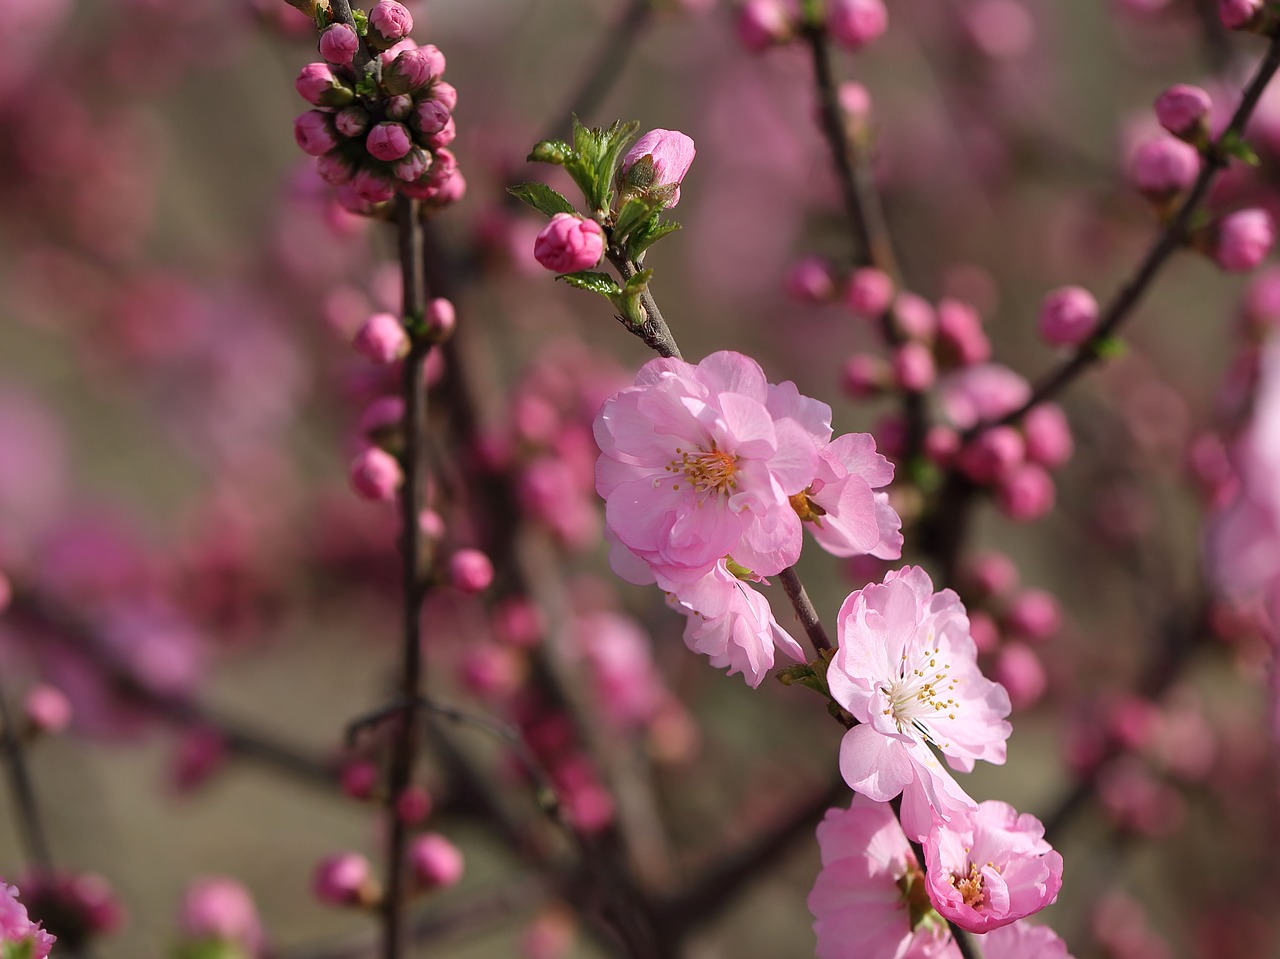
(670, 154)
(1243, 239)
(338, 44)
(569, 243)
(763, 23)
(1183, 110)
(389, 21)
(1068, 316)
(855, 23)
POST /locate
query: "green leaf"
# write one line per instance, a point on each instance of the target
(323, 19)
(542, 198)
(1108, 347)
(639, 282)
(601, 283)
(635, 212)
(644, 238)
(1234, 145)
(598, 154)
(613, 142)
(368, 84)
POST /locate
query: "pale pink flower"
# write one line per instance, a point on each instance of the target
(628, 686)
(731, 623)
(990, 867)
(985, 392)
(906, 670)
(1022, 940)
(862, 900)
(16, 926)
(693, 466)
(216, 907)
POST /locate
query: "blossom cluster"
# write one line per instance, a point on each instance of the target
(382, 127)
(19, 936)
(710, 474)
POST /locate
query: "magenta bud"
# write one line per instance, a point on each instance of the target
(222, 909)
(435, 860)
(432, 525)
(1019, 670)
(855, 102)
(1048, 435)
(444, 136)
(352, 121)
(338, 44)
(376, 474)
(1183, 110)
(451, 191)
(984, 631)
(447, 94)
(47, 708)
(916, 317)
(414, 165)
(762, 23)
(441, 319)
(1026, 493)
(335, 169)
(1239, 14)
(1034, 615)
(870, 292)
(913, 367)
(383, 414)
(389, 22)
(989, 575)
(993, 454)
(359, 779)
(1068, 316)
(430, 116)
(671, 154)
(470, 571)
(314, 132)
(414, 805)
(342, 879)
(961, 339)
(317, 84)
(388, 141)
(410, 71)
(382, 339)
(855, 23)
(1164, 167)
(941, 443)
(1243, 239)
(569, 243)
(810, 280)
(399, 108)
(865, 375)
(372, 186)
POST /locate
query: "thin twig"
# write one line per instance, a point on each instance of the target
(654, 332)
(804, 608)
(30, 826)
(1170, 239)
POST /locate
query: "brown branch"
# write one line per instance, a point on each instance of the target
(804, 608)
(26, 809)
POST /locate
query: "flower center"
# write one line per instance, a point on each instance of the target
(807, 509)
(970, 887)
(710, 470)
(921, 693)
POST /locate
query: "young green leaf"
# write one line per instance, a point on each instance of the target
(649, 234)
(601, 283)
(542, 198)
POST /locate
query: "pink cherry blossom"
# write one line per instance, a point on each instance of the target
(672, 154)
(17, 927)
(731, 623)
(906, 670)
(990, 867)
(693, 466)
(985, 392)
(1023, 940)
(863, 900)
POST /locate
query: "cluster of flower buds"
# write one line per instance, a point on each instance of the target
(382, 126)
(851, 23)
(76, 907)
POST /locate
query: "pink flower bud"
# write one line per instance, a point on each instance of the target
(338, 44)
(984, 631)
(432, 525)
(491, 672)
(372, 186)
(1243, 239)
(335, 169)
(382, 339)
(672, 155)
(1034, 615)
(1068, 316)
(941, 443)
(569, 243)
(447, 94)
(1164, 167)
(1025, 494)
(376, 475)
(452, 190)
(220, 908)
(413, 166)
(855, 23)
(916, 318)
(352, 121)
(317, 85)
(359, 779)
(47, 709)
(444, 136)
(314, 132)
(436, 861)
(865, 375)
(342, 879)
(412, 70)
(414, 805)
(913, 367)
(389, 21)
(1238, 14)
(1048, 436)
(1000, 29)
(762, 23)
(441, 319)
(384, 413)
(399, 108)
(870, 292)
(518, 622)
(388, 141)
(1183, 110)
(961, 339)
(809, 280)
(470, 571)
(1019, 670)
(855, 101)
(989, 575)
(430, 116)
(993, 454)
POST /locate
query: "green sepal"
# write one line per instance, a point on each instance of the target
(648, 234)
(362, 22)
(736, 569)
(812, 675)
(367, 86)
(18, 950)
(636, 212)
(1234, 145)
(323, 19)
(1108, 347)
(542, 198)
(550, 151)
(593, 282)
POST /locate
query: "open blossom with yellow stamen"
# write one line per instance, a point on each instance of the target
(906, 669)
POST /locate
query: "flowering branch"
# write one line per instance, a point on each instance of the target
(1121, 308)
